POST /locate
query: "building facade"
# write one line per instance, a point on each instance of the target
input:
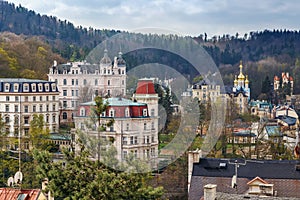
(135, 127)
(79, 82)
(21, 98)
(205, 91)
(285, 79)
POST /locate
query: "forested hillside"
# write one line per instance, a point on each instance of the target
(264, 53)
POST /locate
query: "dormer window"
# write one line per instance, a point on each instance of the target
(127, 114)
(53, 85)
(47, 87)
(40, 87)
(26, 87)
(145, 112)
(7, 86)
(111, 112)
(33, 87)
(16, 87)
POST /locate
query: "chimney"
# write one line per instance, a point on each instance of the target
(44, 183)
(210, 192)
(193, 157)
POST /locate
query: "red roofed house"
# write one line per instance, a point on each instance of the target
(286, 78)
(22, 194)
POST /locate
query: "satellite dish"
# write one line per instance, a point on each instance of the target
(233, 182)
(10, 182)
(18, 177)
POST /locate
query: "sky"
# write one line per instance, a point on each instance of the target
(182, 17)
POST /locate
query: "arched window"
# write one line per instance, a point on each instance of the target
(82, 112)
(65, 115)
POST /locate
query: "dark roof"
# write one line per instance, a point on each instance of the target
(287, 119)
(281, 169)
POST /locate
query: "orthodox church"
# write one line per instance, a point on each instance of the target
(240, 92)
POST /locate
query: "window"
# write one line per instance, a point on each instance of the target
(7, 87)
(127, 114)
(26, 131)
(64, 104)
(41, 98)
(47, 98)
(47, 108)
(16, 120)
(53, 107)
(144, 112)
(73, 93)
(152, 126)
(34, 98)
(53, 86)
(16, 87)
(34, 108)
(6, 120)
(127, 127)
(145, 126)
(96, 81)
(76, 93)
(108, 92)
(82, 112)
(124, 154)
(135, 140)
(40, 87)
(131, 140)
(26, 99)
(111, 113)
(123, 82)
(16, 98)
(65, 82)
(125, 140)
(76, 81)
(73, 104)
(64, 92)
(33, 87)
(26, 120)
(65, 115)
(73, 82)
(26, 87)
(7, 98)
(47, 118)
(16, 108)
(152, 112)
(26, 109)
(53, 98)
(16, 132)
(41, 107)
(108, 82)
(108, 71)
(6, 108)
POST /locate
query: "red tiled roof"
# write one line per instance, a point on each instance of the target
(12, 193)
(145, 87)
(276, 78)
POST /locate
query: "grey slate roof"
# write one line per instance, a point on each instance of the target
(281, 169)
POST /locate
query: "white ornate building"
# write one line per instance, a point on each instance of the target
(79, 82)
(21, 98)
(135, 127)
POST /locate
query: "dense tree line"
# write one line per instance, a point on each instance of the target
(268, 51)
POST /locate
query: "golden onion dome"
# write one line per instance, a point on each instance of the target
(241, 75)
